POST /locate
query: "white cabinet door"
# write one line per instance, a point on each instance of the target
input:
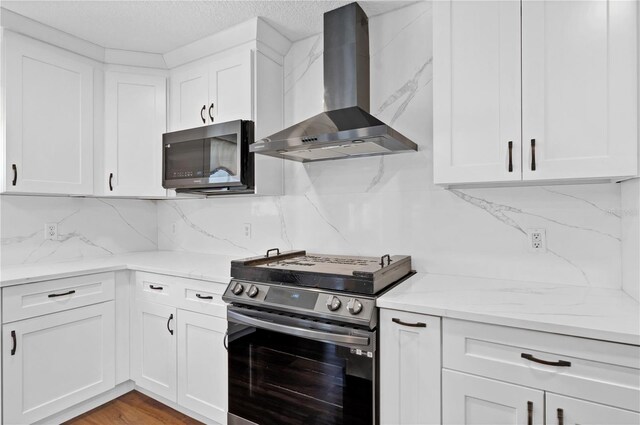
(54, 361)
(135, 119)
(579, 89)
(476, 91)
(570, 411)
(189, 97)
(202, 364)
(472, 400)
(231, 87)
(409, 368)
(49, 119)
(154, 349)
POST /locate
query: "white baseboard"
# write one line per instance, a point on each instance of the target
(92, 403)
(112, 394)
(177, 407)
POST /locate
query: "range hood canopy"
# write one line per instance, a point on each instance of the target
(346, 128)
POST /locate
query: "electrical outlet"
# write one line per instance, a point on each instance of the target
(537, 240)
(51, 231)
(246, 230)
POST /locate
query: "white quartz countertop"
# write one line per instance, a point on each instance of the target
(214, 268)
(597, 313)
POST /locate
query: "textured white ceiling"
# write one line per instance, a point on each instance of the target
(161, 26)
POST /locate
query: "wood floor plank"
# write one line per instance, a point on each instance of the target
(133, 408)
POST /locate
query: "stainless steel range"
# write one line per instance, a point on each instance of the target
(302, 337)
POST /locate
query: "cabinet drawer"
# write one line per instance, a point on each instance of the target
(35, 299)
(203, 297)
(188, 294)
(605, 372)
(156, 288)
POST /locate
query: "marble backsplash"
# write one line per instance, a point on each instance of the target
(87, 227)
(379, 205)
(365, 206)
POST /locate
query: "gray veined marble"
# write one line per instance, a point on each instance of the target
(298, 71)
(202, 231)
(407, 92)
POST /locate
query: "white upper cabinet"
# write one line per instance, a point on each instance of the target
(189, 97)
(579, 89)
(217, 89)
(476, 91)
(135, 119)
(578, 112)
(48, 119)
(230, 88)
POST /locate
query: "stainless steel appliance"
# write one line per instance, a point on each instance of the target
(210, 159)
(346, 128)
(302, 338)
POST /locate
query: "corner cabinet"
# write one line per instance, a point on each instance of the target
(410, 368)
(154, 349)
(178, 350)
(135, 119)
(48, 113)
(535, 91)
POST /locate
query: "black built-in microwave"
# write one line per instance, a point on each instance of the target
(209, 159)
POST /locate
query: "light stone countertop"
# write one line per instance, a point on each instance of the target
(598, 313)
(214, 268)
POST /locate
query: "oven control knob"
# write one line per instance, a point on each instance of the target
(354, 306)
(333, 303)
(252, 291)
(237, 289)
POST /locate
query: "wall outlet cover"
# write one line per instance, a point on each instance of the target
(537, 240)
(51, 231)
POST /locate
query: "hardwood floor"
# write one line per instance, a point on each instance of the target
(133, 408)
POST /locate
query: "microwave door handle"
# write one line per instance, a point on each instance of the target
(296, 331)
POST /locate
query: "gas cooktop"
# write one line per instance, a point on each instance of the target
(338, 288)
(354, 274)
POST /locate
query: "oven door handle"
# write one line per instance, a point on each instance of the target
(296, 331)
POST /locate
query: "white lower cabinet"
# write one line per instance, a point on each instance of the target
(563, 410)
(472, 400)
(202, 364)
(178, 343)
(409, 368)
(54, 361)
(154, 349)
(503, 375)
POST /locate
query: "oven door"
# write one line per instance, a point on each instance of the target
(291, 370)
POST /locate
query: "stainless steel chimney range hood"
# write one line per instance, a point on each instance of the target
(346, 128)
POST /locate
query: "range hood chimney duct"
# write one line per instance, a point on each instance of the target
(346, 58)
(346, 129)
